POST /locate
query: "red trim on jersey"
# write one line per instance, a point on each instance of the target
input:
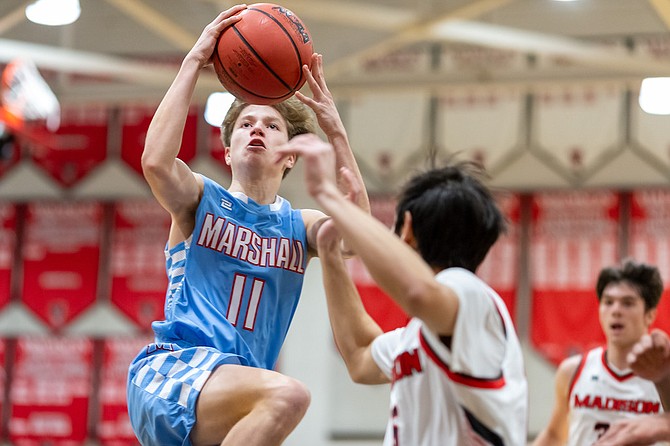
(575, 377)
(460, 378)
(614, 374)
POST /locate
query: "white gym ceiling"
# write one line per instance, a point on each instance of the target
(124, 48)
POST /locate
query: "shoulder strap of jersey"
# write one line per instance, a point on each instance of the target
(575, 376)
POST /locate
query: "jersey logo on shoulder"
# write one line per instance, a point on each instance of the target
(226, 204)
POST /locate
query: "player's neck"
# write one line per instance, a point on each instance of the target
(262, 192)
(616, 356)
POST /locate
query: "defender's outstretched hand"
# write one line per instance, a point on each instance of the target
(319, 159)
(329, 240)
(650, 357)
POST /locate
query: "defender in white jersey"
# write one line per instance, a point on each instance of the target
(595, 390)
(601, 394)
(456, 369)
(476, 389)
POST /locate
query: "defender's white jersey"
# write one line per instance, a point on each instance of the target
(600, 395)
(473, 393)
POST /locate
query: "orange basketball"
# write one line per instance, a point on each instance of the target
(259, 59)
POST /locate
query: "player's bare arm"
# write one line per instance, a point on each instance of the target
(353, 328)
(323, 105)
(353, 188)
(171, 180)
(312, 219)
(556, 432)
(394, 265)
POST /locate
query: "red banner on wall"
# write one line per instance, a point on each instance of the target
(49, 395)
(135, 123)
(378, 304)
(500, 269)
(574, 235)
(139, 281)
(114, 427)
(79, 144)
(7, 247)
(61, 254)
(649, 241)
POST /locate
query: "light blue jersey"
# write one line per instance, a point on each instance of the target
(234, 286)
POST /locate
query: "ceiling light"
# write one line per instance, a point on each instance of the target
(216, 108)
(53, 12)
(655, 95)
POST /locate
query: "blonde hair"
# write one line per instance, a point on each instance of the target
(299, 118)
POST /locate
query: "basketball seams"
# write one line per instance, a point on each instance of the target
(231, 79)
(259, 60)
(290, 37)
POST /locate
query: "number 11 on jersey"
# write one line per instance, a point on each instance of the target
(237, 293)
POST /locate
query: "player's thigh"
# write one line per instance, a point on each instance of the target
(232, 391)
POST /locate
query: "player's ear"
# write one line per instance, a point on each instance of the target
(406, 232)
(650, 316)
(290, 161)
(226, 155)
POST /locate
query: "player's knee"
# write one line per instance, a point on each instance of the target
(291, 398)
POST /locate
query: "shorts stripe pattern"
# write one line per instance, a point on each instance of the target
(174, 376)
(164, 383)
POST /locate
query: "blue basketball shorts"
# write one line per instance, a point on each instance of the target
(164, 382)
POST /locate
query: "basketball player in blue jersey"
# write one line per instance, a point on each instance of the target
(595, 390)
(236, 259)
(456, 369)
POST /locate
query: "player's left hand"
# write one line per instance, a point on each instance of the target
(322, 101)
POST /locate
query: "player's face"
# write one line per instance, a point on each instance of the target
(258, 130)
(622, 314)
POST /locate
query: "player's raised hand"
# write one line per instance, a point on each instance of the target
(650, 357)
(204, 47)
(328, 240)
(322, 101)
(349, 185)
